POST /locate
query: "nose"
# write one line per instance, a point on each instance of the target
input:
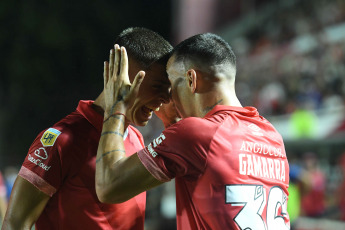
(166, 96)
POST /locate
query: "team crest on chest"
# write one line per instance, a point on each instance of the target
(49, 137)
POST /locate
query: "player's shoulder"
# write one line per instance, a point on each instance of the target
(193, 123)
(49, 137)
(64, 129)
(198, 124)
(191, 128)
(73, 122)
(268, 127)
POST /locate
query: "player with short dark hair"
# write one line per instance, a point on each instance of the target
(206, 50)
(138, 45)
(55, 188)
(229, 163)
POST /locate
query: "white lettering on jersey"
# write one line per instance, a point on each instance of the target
(252, 165)
(158, 140)
(38, 162)
(153, 152)
(253, 147)
(155, 143)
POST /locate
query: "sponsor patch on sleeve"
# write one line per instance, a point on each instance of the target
(49, 137)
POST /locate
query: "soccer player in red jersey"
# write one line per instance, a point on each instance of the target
(55, 188)
(229, 163)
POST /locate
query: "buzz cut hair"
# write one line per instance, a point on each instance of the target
(206, 49)
(145, 46)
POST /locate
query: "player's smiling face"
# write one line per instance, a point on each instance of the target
(153, 91)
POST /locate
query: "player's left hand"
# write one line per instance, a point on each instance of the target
(119, 93)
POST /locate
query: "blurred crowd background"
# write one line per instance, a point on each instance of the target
(291, 66)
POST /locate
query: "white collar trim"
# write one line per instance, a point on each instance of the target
(125, 134)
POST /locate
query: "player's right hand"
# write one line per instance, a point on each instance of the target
(119, 93)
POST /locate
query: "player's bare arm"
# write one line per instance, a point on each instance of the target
(25, 206)
(118, 177)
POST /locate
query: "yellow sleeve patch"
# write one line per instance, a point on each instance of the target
(49, 137)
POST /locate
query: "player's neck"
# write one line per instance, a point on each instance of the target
(216, 97)
(228, 94)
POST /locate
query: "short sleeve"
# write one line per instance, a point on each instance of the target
(42, 165)
(180, 151)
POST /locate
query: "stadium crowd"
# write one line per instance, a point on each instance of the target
(295, 60)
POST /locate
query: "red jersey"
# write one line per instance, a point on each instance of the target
(231, 170)
(61, 163)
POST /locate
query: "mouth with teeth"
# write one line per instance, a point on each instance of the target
(148, 110)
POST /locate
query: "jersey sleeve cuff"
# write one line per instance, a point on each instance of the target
(152, 166)
(37, 181)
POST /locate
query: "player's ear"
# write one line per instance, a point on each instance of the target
(192, 77)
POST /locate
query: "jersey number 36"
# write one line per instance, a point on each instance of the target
(252, 198)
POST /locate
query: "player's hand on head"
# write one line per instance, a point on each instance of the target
(119, 93)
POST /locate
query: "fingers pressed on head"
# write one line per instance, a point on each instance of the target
(137, 82)
(124, 66)
(111, 62)
(117, 59)
(106, 72)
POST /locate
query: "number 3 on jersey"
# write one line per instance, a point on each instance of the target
(253, 200)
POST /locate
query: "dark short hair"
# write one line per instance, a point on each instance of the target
(145, 46)
(208, 48)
